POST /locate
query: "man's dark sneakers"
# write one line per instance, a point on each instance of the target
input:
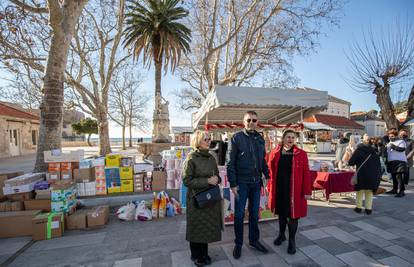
(237, 252)
(358, 210)
(279, 240)
(200, 263)
(259, 247)
(368, 212)
(207, 260)
(400, 194)
(391, 192)
(291, 247)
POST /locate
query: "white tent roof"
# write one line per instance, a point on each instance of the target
(227, 104)
(315, 126)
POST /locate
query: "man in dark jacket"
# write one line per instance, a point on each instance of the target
(409, 152)
(245, 167)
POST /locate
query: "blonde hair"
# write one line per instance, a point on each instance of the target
(197, 138)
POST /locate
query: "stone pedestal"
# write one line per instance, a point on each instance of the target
(152, 151)
(161, 121)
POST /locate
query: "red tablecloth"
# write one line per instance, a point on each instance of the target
(332, 182)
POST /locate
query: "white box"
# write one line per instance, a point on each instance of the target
(143, 167)
(10, 190)
(57, 156)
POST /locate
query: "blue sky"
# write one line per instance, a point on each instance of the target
(324, 70)
(327, 68)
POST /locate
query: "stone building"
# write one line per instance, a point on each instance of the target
(19, 131)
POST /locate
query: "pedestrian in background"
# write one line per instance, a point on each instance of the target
(289, 187)
(409, 152)
(368, 167)
(396, 163)
(204, 225)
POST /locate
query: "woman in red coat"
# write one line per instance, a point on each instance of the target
(289, 186)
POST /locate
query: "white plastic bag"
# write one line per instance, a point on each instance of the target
(127, 212)
(142, 212)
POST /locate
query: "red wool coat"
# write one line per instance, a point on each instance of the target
(300, 184)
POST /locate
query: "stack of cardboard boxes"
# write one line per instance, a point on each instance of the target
(63, 197)
(85, 178)
(61, 166)
(100, 181)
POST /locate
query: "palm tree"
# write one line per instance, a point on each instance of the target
(152, 28)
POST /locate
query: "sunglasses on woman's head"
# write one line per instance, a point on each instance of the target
(251, 120)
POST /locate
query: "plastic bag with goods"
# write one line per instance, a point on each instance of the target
(127, 212)
(142, 212)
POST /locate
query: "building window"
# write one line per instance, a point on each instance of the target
(34, 137)
(15, 137)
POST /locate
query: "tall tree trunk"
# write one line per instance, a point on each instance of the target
(62, 20)
(103, 131)
(410, 105)
(387, 108)
(123, 137)
(130, 133)
(89, 140)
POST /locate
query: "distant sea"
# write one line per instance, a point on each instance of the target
(119, 140)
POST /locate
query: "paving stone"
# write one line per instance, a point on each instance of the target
(282, 252)
(370, 249)
(302, 241)
(183, 226)
(271, 260)
(12, 245)
(374, 230)
(347, 227)
(393, 222)
(402, 233)
(411, 212)
(69, 241)
(348, 213)
(333, 245)
(136, 262)
(358, 259)
(374, 239)
(395, 261)
(306, 222)
(247, 258)
(305, 263)
(181, 258)
(339, 234)
(315, 234)
(321, 256)
(401, 252)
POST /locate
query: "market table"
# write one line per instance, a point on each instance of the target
(332, 182)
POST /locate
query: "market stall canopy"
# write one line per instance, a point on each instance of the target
(317, 126)
(227, 104)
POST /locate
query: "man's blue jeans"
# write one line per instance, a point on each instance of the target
(251, 192)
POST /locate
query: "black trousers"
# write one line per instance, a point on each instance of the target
(398, 182)
(199, 250)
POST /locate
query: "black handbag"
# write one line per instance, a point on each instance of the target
(207, 198)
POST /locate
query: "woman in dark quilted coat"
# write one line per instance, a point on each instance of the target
(203, 225)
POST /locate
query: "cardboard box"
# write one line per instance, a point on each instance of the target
(84, 164)
(43, 194)
(143, 167)
(76, 220)
(17, 205)
(57, 156)
(68, 166)
(17, 223)
(21, 196)
(53, 167)
(112, 173)
(7, 175)
(159, 180)
(38, 204)
(51, 177)
(98, 162)
(127, 185)
(25, 188)
(127, 161)
(126, 173)
(5, 206)
(84, 175)
(66, 175)
(114, 189)
(113, 160)
(98, 216)
(47, 226)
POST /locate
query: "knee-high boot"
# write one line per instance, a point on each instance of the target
(282, 228)
(293, 227)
